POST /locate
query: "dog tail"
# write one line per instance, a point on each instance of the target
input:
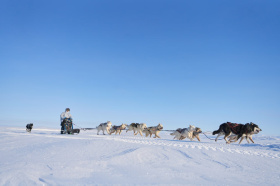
(172, 134)
(217, 131)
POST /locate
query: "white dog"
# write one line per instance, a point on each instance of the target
(104, 126)
(181, 134)
(131, 127)
(139, 128)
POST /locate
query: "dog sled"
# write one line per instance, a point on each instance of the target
(29, 127)
(67, 127)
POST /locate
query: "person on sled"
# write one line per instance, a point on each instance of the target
(65, 117)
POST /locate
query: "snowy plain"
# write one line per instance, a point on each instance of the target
(45, 157)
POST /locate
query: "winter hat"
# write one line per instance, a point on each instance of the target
(67, 109)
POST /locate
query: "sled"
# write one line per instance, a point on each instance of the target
(67, 127)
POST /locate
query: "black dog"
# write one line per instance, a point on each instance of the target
(248, 130)
(29, 127)
(228, 128)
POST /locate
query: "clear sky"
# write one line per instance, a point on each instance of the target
(175, 62)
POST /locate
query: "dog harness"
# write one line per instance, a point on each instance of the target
(232, 126)
(116, 127)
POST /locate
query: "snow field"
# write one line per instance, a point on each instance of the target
(45, 157)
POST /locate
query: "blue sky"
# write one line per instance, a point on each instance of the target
(171, 62)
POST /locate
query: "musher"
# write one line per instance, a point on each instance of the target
(65, 116)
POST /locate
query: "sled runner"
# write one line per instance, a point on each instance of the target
(67, 127)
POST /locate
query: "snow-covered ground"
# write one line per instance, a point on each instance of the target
(45, 157)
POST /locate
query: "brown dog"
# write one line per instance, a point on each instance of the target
(153, 130)
(117, 129)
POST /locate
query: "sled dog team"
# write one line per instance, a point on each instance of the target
(232, 131)
(135, 127)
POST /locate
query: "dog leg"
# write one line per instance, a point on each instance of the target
(232, 138)
(191, 136)
(218, 136)
(226, 136)
(227, 142)
(241, 140)
(140, 132)
(156, 135)
(181, 137)
(197, 137)
(250, 137)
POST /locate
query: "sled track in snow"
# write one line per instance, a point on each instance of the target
(263, 151)
(225, 148)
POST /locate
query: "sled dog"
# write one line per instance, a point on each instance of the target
(153, 130)
(117, 129)
(137, 128)
(229, 128)
(187, 131)
(191, 135)
(131, 127)
(248, 131)
(191, 132)
(140, 127)
(29, 127)
(104, 127)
